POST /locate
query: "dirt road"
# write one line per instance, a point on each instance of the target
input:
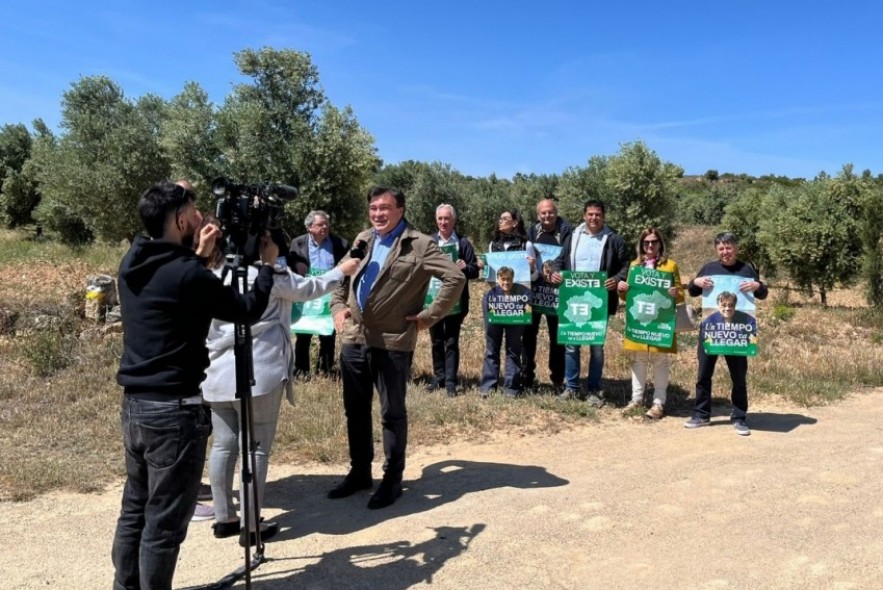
(620, 504)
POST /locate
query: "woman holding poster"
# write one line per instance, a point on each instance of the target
(748, 286)
(508, 236)
(650, 319)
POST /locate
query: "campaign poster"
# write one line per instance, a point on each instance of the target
(649, 308)
(313, 317)
(545, 294)
(729, 326)
(513, 307)
(452, 251)
(582, 308)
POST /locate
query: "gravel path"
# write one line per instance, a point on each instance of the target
(620, 504)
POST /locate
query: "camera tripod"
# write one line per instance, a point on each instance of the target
(242, 351)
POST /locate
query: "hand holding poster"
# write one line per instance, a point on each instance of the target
(650, 309)
(582, 308)
(729, 327)
(452, 250)
(313, 317)
(509, 302)
(545, 294)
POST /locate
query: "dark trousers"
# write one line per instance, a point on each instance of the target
(302, 353)
(493, 342)
(165, 454)
(738, 366)
(529, 351)
(362, 369)
(445, 338)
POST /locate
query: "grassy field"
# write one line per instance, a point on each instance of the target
(59, 421)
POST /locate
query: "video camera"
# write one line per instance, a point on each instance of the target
(246, 210)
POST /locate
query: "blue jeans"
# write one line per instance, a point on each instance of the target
(572, 367)
(165, 453)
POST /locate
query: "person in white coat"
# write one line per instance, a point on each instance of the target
(273, 359)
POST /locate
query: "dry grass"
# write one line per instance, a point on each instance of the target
(59, 416)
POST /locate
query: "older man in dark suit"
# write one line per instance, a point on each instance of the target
(322, 250)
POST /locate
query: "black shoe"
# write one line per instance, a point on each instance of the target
(226, 529)
(350, 485)
(451, 390)
(386, 495)
(432, 386)
(268, 531)
(205, 493)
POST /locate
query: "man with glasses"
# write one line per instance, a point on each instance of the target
(168, 298)
(318, 249)
(592, 247)
(378, 312)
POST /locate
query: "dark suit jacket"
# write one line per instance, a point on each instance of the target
(300, 250)
(466, 253)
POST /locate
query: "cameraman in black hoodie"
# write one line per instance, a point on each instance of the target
(168, 298)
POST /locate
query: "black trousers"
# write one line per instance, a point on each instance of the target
(738, 366)
(529, 351)
(363, 369)
(302, 353)
(445, 338)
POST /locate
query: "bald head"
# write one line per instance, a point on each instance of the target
(547, 214)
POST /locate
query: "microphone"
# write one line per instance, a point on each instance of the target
(360, 250)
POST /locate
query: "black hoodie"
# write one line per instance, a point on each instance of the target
(168, 299)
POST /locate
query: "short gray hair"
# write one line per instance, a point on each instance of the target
(311, 217)
(446, 206)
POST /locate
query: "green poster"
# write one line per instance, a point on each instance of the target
(509, 308)
(545, 295)
(513, 307)
(582, 308)
(649, 308)
(452, 250)
(730, 325)
(313, 317)
(729, 332)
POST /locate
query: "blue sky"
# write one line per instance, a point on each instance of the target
(782, 88)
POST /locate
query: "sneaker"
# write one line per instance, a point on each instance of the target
(631, 406)
(203, 512)
(595, 400)
(655, 412)
(205, 493)
(741, 428)
(696, 422)
(568, 394)
(484, 393)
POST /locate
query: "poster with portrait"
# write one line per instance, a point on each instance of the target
(649, 308)
(509, 301)
(545, 294)
(582, 308)
(452, 251)
(313, 317)
(729, 326)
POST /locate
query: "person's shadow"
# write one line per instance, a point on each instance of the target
(391, 566)
(309, 511)
(772, 422)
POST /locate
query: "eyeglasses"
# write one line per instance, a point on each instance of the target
(650, 242)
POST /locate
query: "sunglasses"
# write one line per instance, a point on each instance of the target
(650, 242)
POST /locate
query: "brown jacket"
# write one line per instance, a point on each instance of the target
(399, 291)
